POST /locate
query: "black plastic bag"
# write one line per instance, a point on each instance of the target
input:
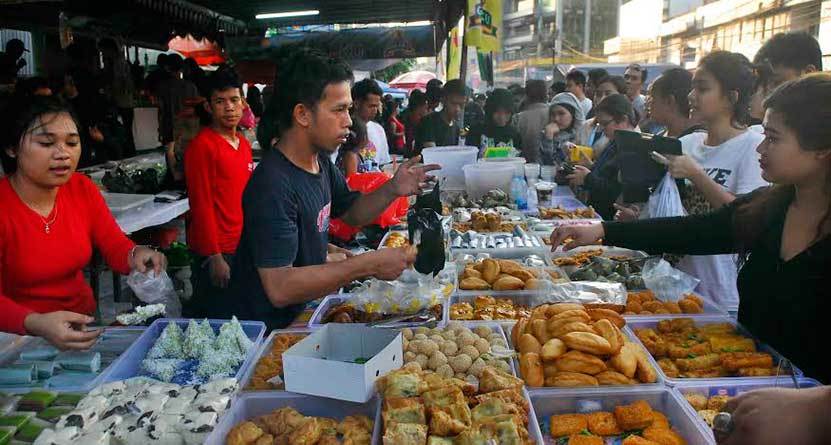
(430, 200)
(427, 233)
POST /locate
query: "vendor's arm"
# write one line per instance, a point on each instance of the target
(410, 178)
(706, 234)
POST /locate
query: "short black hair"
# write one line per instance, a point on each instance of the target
(454, 87)
(618, 106)
(220, 80)
(23, 114)
(366, 87)
(434, 90)
(596, 74)
(302, 76)
(175, 62)
(794, 50)
(677, 83)
(557, 87)
(500, 98)
(577, 77)
(617, 81)
(536, 91)
(417, 98)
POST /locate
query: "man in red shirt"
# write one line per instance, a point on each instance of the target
(218, 164)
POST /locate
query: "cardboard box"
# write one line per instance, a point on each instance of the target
(322, 364)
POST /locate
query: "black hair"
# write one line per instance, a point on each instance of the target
(366, 87)
(676, 83)
(108, 44)
(255, 100)
(434, 91)
(596, 74)
(571, 110)
(161, 59)
(390, 105)
(220, 80)
(535, 91)
(357, 137)
(499, 98)
(23, 115)
(557, 87)
(577, 77)
(302, 76)
(417, 99)
(795, 50)
(454, 87)
(175, 62)
(27, 87)
(619, 107)
(733, 72)
(618, 81)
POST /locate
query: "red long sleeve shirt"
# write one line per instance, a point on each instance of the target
(43, 272)
(216, 174)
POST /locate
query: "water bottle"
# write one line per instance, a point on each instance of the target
(519, 192)
(532, 197)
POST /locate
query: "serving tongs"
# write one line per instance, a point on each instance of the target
(784, 369)
(423, 317)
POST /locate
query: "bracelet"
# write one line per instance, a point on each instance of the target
(131, 257)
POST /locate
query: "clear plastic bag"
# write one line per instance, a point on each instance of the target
(583, 292)
(667, 282)
(665, 201)
(152, 289)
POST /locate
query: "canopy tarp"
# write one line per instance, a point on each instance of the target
(413, 80)
(204, 51)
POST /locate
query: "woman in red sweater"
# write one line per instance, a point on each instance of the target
(52, 218)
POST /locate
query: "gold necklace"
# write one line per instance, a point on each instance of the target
(47, 224)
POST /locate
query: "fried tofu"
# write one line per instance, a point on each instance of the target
(405, 434)
(659, 420)
(636, 416)
(568, 424)
(637, 440)
(580, 439)
(404, 410)
(603, 423)
(663, 436)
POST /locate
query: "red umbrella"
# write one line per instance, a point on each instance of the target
(204, 51)
(412, 80)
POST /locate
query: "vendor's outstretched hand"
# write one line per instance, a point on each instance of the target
(64, 330)
(390, 263)
(680, 167)
(579, 236)
(412, 177)
(778, 415)
(145, 258)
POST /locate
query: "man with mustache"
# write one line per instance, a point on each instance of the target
(218, 164)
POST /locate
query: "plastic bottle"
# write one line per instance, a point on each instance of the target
(532, 197)
(519, 192)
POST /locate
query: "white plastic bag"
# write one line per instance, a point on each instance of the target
(665, 201)
(151, 288)
(667, 282)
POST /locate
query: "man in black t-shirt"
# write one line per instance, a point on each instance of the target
(439, 128)
(293, 193)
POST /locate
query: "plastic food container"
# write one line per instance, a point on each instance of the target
(486, 176)
(333, 300)
(250, 405)
(129, 364)
(732, 388)
(527, 298)
(112, 343)
(517, 162)
(451, 159)
(263, 349)
(710, 309)
(383, 243)
(711, 319)
(547, 403)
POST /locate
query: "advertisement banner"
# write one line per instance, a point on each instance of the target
(484, 24)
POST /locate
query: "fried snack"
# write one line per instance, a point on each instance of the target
(270, 365)
(568, 424)
(461, 311)
(518, 330)
(528, 343)
(731, 343)
(559, 308)
(611, 333)
(603, 423)
(696, 400)
(493, 379)
(403, 410)
(626, 361)
(717, 403)
(553, 349)
(561, 213)
(508, 282)
(659, 420)
(578, 259)
(587, 342)
(524, 275)
(579, 314)
(645, 372)
(669, 368)
(734, 361)
(571, 379)
(490, 270)
(244, 433)
(539, 330)
(617, 308)
(711, 373)
(443, 423)
(698, 363)
(612, 378)
(637, 440)
(405, 434)
(574, 326)
(688, 306)
(530, 366)
(663, 436)
(474, 283)
(576, 361)
(534, 284)
(708, 416)
(470, 272)
(607, 314)
(580, 439)
(756, 372)
(636, 416)
(549, 369)
(695, 350)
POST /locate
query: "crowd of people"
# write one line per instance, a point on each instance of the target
(260, 236)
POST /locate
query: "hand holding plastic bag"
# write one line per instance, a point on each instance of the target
(667, 282)
(152, 288)
(665, 201)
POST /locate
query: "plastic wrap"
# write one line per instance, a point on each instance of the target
(667, 282)
(665, 201)
(583, 292)
(156, 289)
(409, 294)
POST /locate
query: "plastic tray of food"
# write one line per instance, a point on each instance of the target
(334, 300)
(710, 308)
(540, 268)
(386, 238)
(583, 401)
(652, 323)
(522, 298)
(112, 343)
(129, 364)
(709, 391)
(250, 405)
(263, 349)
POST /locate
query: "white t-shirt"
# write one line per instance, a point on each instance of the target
(377, 147)
(735, 166)
(586, 105)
